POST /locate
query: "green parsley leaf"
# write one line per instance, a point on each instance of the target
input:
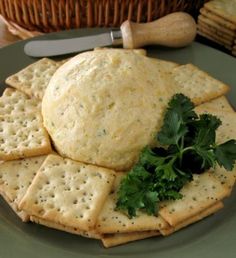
(189, 147)
(226, 154)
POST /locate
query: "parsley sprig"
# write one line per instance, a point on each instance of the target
(187, 146)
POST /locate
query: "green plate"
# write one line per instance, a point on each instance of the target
(212, 237)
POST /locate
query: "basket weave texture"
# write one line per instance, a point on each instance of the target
(54, 15)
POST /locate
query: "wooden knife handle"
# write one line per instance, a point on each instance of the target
(173, 30)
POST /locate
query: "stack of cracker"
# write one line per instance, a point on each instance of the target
(217, 22)
(63, 194)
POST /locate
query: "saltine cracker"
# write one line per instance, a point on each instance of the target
(224, 8)
(33, 80)
(23, 135)
(67, 192)
(14, 102)
(202, 192)
(111, 240)
(111, 220)
(15, 178)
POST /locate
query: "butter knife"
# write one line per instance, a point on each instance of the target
(173, 30)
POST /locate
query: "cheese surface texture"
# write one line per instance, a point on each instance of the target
(103, 107)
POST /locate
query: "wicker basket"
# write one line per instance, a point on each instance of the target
(54, 15)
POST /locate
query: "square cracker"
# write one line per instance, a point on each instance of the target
(199, 86)
(201, 193)
(165, 66)
(14, 102)
(23, 135)
(214, 39)
(15, 178)
(111, 220)
(224, 133)
(67, 192)
(215, 25)
(72, 230)
(220, 103)
(214, 31)
(224, 8)
(33, 80)
(205, 213)
(111, 240)
(217, 19)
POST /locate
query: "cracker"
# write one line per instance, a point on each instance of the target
(206, 35)
(111, 240)
(33, 79)
(224, 8)
(23, 135)
(224, 133)
(114, 221)
(215, 25)
(205, 213)
(213, 31)
(217, 19)
(199, 86)
(216, 38)
(198, 195)
(68, 192)
(15, 178)
(165, 66)
(72, 230)
(15, 102)
(220, 103)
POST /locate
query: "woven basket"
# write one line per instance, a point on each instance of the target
(54, 15)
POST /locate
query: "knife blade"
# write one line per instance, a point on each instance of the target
(173, 30)
(41, 48)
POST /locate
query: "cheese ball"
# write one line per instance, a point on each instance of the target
(104, 107)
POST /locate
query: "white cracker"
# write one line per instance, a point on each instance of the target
(209, 211)
(67, 192)
(15, 102)
(220, 103)
(15, 178)
(210, 37)
(23, 135)
(201, 193)
(224, 8)
(199, 86)
(212, 24)
(224, 133)
(72, 230)
(33, 79)
(214, 36)
(111, 220)
(111, 240)
(216, 32)
(217, 19)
